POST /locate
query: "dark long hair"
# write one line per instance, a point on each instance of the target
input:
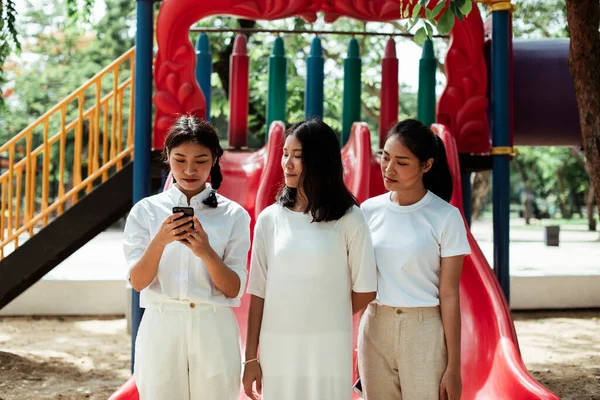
(191, 129)
(322, 173)
(425, 144)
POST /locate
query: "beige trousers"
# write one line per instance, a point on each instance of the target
(401, 353)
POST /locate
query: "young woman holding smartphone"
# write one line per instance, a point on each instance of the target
(409, 339)
(312, 267)
(190, 272)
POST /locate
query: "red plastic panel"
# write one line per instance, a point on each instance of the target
(356, 157)
(463, 104)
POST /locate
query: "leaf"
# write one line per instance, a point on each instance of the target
(467, 7)
(446, 22)
(420, 36)
(416, 10)
(458, 3)
(429, 15)
(456, 11)
(438, 8)
(429, 28)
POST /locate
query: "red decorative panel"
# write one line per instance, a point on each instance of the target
(462, 107)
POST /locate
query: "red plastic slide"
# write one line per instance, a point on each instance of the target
(492, 368)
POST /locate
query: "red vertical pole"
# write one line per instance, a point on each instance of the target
(239, 93)
(388, 114)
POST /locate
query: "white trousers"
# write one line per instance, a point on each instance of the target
(187, 351)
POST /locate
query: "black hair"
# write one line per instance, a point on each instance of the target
(322, 173)
(191, 129)
(425, 144)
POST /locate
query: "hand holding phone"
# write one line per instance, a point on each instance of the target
(187, 212)
(170, 230)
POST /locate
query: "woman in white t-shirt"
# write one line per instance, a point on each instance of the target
(312, 267)
(409, 338)
(189, 275)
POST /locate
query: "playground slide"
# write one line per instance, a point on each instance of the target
(492, 367)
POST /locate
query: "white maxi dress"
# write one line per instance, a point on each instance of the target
(306, 272)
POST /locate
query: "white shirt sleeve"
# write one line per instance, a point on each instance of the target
(235, 255)
(361, 256)
(453, 238)
(136, 236)
(258, 265)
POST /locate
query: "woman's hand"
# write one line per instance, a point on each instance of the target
(171, 230)
(197, 240)
(451, 385)
(252, 373)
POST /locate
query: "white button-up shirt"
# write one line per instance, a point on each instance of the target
(181, 274)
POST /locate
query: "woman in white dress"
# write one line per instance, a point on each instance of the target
(409, 339)
(312, 267)
(188, 344)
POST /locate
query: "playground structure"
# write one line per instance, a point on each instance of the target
(490, 350)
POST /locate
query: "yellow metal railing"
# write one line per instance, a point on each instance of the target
(69, 150)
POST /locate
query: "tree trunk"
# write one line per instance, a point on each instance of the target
(583, 18)
(527, 206)
(479, 192)
(589, 202)
(564, 210)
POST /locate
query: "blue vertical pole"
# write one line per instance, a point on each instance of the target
(204, 69)
(315, 74)
(501, 138)
(142, 129)
(465, 179)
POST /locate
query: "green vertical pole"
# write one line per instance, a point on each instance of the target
(315, 75)
(426, 96)
(276, 99)
(351, 102)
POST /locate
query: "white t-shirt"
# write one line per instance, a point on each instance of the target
(306, 272)
(409, 243)
(181, 274)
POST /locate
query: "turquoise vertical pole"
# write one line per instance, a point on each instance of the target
(315, 75)
(204, 69)
(500, 138)
(351, 100)
(426, 92)
(277, 91)
(142, 135)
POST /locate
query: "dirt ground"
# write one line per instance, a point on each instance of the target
(88, 357)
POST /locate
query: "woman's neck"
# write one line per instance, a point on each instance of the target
(301, 201)
(408, 197)
(191, 193)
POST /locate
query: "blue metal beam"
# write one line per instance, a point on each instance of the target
(501, 138)
(142, 129)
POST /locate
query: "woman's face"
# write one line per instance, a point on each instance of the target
(191, 164)
(291, 162)
(401, 169)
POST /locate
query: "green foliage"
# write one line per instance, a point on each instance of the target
(9, 40)
(540, 19)
(557, 180)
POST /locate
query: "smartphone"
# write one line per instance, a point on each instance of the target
(187, 212)
(358, 387)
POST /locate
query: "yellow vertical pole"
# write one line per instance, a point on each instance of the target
(45, 172)
(61, 166)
